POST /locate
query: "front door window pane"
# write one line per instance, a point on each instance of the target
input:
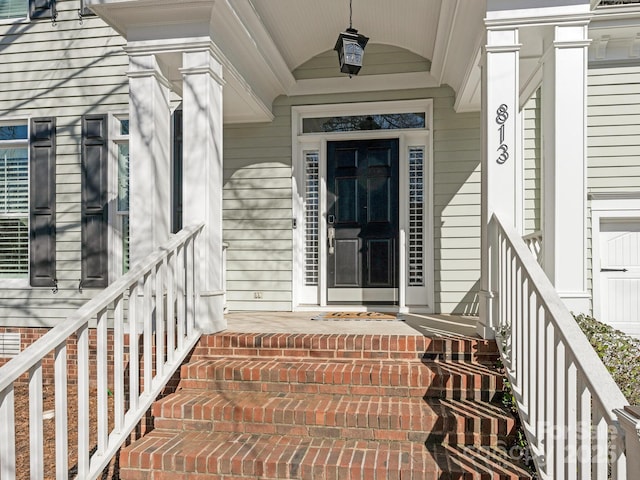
(387, 121)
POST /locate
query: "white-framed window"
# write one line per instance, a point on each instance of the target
(14, 9)
(120, 220)
(14, 199)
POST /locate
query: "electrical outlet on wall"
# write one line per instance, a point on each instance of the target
(257, 295)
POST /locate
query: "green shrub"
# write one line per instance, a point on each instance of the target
(620, 353)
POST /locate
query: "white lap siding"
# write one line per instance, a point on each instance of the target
(614, 129)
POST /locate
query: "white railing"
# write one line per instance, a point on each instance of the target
(156, 303)
(533, 241)
(568, 402)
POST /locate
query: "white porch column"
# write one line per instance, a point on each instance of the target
(564, 165)
(149, 150)
(202, 175)
(501, 169)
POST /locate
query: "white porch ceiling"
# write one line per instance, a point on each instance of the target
(446, 32)
(303, 29)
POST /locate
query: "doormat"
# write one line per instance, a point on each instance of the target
(359, 316)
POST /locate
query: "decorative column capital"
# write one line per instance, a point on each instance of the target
(198, 61)
(571, 36)
(145, 65)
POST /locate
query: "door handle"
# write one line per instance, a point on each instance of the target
(614, 270)
(331, 237)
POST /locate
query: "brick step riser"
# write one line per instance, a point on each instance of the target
(204, 353)
(251, 457)
(486, 393)
(454, 435)
(345, 346)
(308, 472)
(385, 373)
(417, 380)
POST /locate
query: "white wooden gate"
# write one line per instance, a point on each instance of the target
(620, 274)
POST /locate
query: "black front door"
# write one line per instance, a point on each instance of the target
(362, 220)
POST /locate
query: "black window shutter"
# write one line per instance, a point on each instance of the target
(177, 172)
(94, 219)
(42, 215)
(42, 9)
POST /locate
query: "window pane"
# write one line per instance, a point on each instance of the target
(13, 9)
(124, 127)
(312, 216)
(387, 121)
(123, 177)
(416, 216)
(12, 132)
(125, 243)
(14, 247)
(14, 181)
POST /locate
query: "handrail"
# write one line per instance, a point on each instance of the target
(565, 395)
(160, 295)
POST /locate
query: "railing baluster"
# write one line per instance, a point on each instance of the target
(147, 315)
(549, 403)
(600, 461)
(513, 306)
(571, 415)
(118, 364)
(7, 430)
(102, 379)
(542, 370)
(618, 455)
(83, 400)
(36, 436)
(134, 359)
(504, 295)
(584, 430)
(160, 318)
(190, 291)
(533, 372)
(171, 306)
(60, 374)
(518, 322)
(559, 405)
(180, 274)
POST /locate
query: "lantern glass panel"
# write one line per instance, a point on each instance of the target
(353, 53)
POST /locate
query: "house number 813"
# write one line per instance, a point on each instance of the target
(502, 114)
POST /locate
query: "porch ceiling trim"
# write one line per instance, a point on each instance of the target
(260, 38)
(537, 20)
(448, 14)
(365, 83)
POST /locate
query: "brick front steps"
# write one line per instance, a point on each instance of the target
(276, 406)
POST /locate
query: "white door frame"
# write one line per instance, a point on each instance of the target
(607, 207)
(411, 298)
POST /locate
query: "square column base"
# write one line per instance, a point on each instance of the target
(210, 317)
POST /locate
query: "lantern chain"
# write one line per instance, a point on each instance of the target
(350, 14)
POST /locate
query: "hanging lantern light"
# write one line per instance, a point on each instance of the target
(350, 47)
